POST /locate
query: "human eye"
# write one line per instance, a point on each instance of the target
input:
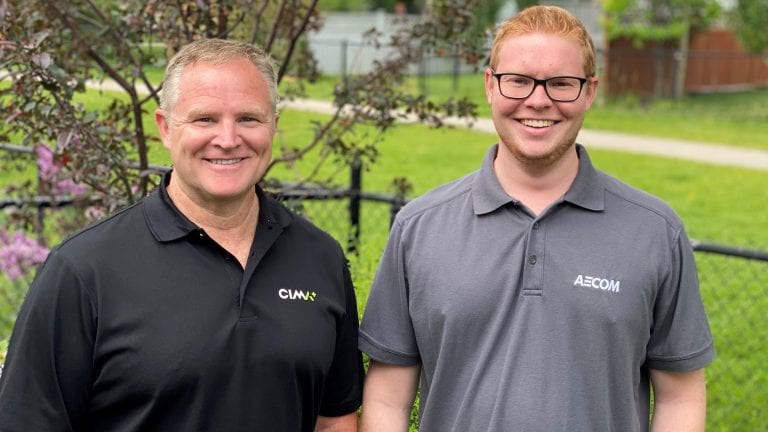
(249, 120)
(516, 80)
(203, 119)
(563, 82)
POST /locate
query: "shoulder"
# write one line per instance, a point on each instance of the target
(445, 197)
(299, 230)
(311, 233)
(638, 202)
(104, 233)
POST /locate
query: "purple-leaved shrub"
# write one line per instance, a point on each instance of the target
(19, 254)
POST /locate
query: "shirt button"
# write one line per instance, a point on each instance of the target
(532, 259)
(535, 225)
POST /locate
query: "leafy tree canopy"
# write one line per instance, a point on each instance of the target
(50, 50)
(656, 20)
(750, 20)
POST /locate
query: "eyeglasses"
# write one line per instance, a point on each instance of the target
(559, 89)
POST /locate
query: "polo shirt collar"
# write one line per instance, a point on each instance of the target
(167, 223)
(586, 190)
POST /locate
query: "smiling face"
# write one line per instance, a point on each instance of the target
(219, 131)
(537, 131)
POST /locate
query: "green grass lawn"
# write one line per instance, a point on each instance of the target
(738, 119)
(718, 204)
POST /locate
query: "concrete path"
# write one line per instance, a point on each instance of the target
(671, 148)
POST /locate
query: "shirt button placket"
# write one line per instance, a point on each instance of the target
(534, 274)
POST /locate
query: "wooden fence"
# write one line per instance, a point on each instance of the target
(716, 62)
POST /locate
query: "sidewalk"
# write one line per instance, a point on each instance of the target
(677, 149)
(671, 148)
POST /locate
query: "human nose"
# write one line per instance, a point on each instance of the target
(227, 134)
(539, 95)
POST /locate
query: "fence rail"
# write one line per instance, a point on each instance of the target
(733, 280)
(294, 196)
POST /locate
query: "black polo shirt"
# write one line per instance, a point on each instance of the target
(142, 322)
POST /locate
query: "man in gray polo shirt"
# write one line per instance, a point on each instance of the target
(537, 293)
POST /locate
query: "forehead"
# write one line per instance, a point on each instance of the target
(238, 72)
(235, 81)
(541, 54)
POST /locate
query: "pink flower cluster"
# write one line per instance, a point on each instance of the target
(49, 168)
(19, 254)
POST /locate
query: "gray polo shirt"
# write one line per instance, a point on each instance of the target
(548, 323)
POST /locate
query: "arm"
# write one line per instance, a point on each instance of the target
(388, 397)
(48, 374)
(342, 395)
(345, 423)
(680, 401)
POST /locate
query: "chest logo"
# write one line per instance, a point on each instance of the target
(291, 294)
(608, 285)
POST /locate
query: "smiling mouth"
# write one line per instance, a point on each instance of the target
(224, 161)
(537, 123)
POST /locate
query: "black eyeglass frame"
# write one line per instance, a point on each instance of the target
(540, 82)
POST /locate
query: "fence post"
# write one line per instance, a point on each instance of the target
(343, 61)
(456, 68)
(39, 225)
(422, 72)
(397, 203)
(355, 187)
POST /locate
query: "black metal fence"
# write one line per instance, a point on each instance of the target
(734, 284)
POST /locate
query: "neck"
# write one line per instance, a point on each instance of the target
(232, 224)
(537, 186)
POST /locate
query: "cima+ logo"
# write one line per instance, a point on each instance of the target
(291, 294)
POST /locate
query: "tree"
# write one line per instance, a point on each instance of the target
(750, 19)
(97, 158)
(50, 50)
(658, 21)
(522, 4)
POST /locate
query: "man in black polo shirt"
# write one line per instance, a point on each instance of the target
(206, 306)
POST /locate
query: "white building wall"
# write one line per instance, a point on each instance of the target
(340, 46)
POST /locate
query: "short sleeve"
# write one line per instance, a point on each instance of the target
(343, 392)
(386, 331)
(48, 371)
(680, 336)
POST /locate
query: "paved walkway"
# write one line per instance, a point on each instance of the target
(672, 148)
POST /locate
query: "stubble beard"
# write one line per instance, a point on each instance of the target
(546, 160)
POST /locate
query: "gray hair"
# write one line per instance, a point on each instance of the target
(216, 51)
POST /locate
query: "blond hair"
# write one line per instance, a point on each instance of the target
(216, 51)
(548, 20)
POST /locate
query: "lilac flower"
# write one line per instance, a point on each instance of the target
(19, 254)
(49, 169)
(68, 187)
(45, 163)
(94, 213)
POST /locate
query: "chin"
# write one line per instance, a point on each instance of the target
(227, 193)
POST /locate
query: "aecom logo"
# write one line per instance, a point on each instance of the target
(609, 285)
(290, 294)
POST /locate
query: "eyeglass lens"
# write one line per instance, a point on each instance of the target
(564, 89)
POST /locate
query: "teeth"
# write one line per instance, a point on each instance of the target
(538, 123)
(224, 161)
